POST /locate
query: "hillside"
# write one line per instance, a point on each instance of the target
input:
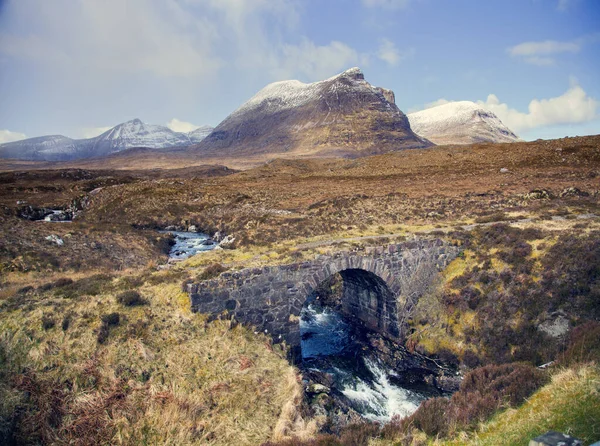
(130, 134)
(101, 346)
(462, 122)
(340, 116)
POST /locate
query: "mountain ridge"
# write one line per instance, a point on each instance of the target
(127, 135)
(460, 122)
(343, 115)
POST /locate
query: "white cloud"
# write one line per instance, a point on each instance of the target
(441, 101)
(572, 107)
(91, 132)
(181, 126)
(138, 36)
(544, 48)
(386, 4)
(8, 136)
(314, 62)
(538, 53)
(389, 52)
(99, 41)
(563, 5)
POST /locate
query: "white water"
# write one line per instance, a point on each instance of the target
(188, 244)
(325, 334)
(380, 400)
(56, 212)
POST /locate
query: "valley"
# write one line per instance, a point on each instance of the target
(100, 340)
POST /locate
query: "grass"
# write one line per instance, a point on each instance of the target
(570, 403)
(164, 375)
(161, 375)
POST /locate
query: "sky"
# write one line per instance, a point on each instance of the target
(78, 67)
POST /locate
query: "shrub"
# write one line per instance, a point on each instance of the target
(212, 271)
(482, 392)
(358, 434)
(431, 417)
(111, 319)
(103, 333)
(490, 218)
(470, 359)
(48, 322)
(62, 282)
(108, 320)
(131, 299)
(584, 344)
(66, 322)
(88, 286)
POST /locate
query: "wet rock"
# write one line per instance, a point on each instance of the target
(33, 213)
(553, 438)
(58, 215)
(227, 242)
(447, 383)
(55, 239)
(192, 228)
(316, 388)
(556, 325)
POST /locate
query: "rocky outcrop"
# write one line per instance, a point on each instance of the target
(343, 115)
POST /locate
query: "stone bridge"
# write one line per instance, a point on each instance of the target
(380, 284)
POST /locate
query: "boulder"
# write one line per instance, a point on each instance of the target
(227, 242)
(55, 239)
(553, 438)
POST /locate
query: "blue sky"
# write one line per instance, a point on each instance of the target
(75, 67)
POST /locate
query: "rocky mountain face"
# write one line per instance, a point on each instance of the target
(343, 115)
(461, 122)
(124, 136)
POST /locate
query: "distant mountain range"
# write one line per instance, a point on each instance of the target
(461, 122)
(124, 136)
(343, 115)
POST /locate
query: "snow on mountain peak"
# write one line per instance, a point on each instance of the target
(133, 133)
(461, 122)
(289, 94)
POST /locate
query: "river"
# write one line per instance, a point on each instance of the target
(330, 344)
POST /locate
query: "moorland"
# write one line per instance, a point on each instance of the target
(98, 344)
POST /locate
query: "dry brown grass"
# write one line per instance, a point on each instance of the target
(162, 376)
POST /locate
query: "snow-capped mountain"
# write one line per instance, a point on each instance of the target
(51, 147)
(342, 115)
(199, 134)
(461, 122)
(124, 136)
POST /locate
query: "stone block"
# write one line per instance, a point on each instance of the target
(553, 438)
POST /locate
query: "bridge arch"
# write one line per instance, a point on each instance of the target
(271, 298)
(369, 293)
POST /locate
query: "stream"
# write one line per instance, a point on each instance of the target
(188, 244)
(331, 345)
